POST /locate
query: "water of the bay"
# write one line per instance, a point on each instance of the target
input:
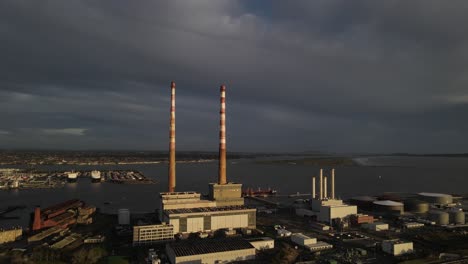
(375, 175)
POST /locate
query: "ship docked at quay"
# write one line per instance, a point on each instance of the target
(258, 192)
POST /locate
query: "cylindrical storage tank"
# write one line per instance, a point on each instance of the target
(363, 202)
(124, 217)
(440, 217)
(388, 206)
(457, 217)
(436, 198)
(390, 196)
(416, 206)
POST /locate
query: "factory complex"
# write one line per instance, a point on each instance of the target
(324, 208)
(224, 225)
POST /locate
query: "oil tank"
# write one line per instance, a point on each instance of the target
(440, 217)
(388, 206)
(390, 196)
(436, 198)
(457, 217)
(363, 202)
(416, 206)
(124, 217)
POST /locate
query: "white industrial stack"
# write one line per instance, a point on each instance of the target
(124, 216)
(326, 208)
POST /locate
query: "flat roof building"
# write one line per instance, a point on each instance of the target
(210, 251)
(397, 247)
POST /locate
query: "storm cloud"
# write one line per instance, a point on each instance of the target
(335, 76)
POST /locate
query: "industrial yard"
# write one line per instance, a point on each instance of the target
(31, 179)
(236, 224)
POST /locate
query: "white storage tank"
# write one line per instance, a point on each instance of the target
(124, 216)
(440, 217)
(416, 206)
(457, 217)
(436, 198)
(388, 206)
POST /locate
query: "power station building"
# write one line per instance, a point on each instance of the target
(327, 208)
(187, 212)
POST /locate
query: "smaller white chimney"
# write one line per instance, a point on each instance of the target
(321, 184)
(325, 195)
(313, 187)
(333, 183)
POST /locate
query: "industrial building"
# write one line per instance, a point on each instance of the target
(310, 243)
(208, 219)
(187, 212)
(150, 234)
(396, 247)
(262, 243)
(63, 214)
(376, 226)
(326, 208)
(210, 251)
(359, 219)
(10, 235)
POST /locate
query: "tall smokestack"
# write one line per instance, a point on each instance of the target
(321, 184)
(313, 187)
(333, 183)
(325, 195)
(172, 160)
(222, 138)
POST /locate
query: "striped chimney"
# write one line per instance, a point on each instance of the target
(172, 160)
(222, 138)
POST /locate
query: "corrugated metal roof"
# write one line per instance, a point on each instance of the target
(206, 246)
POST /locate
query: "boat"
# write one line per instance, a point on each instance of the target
(72, 176)
(258, 192)
(96, 176)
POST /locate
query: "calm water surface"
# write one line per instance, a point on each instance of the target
(376, 175)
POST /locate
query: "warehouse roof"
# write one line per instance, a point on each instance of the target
(206, 246)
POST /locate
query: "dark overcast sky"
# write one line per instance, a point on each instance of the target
(336, 76)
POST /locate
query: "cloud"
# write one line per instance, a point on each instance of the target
(301, 75)
(4, 132)
(65, 131)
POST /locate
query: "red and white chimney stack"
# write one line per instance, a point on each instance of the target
(172, 142)
(222, 138)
